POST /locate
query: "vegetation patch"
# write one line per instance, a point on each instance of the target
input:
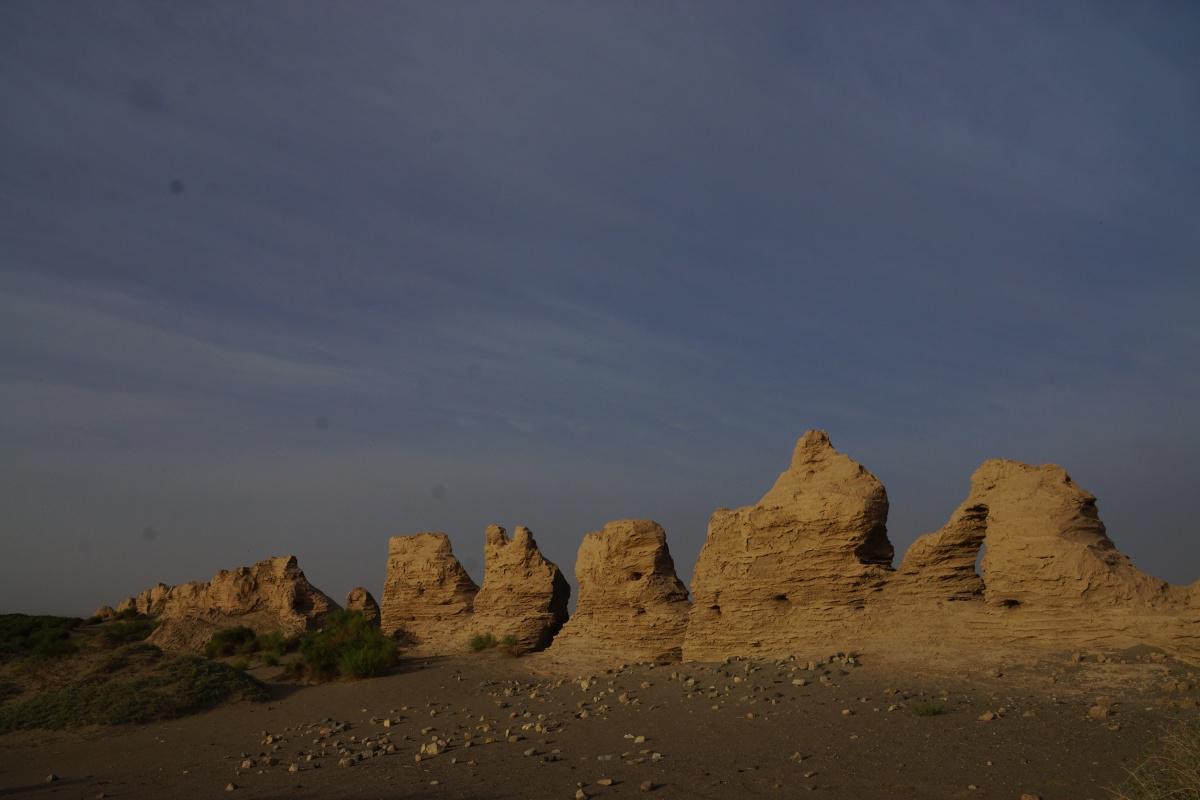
(1172, 772)
(159, 687)
(126, 631)
(243, 641)
(482, 641)
(348, 646)
(22, 635)
(929, 708)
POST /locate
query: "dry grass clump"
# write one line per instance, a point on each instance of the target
(1172, 772)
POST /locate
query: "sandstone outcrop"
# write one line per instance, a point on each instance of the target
(272, 595)
(1050, 576)
(806, 557)
(428, 597)
(523, 594)
(808, 569)
(360, 600)
(632, 606)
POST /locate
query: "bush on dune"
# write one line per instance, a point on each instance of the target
(1172, 772)
(162, 687)
(37, 636)
(346, 646)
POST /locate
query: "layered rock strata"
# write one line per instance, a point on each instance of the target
(524, 595)
(270, 596)
(807, 569)
(807, 557)
(632, 606)
(428, 597)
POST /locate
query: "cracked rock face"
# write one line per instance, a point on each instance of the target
(523, 595)
(428, 596)
(270, 596)
(806, 557)
(632, 606)
(362, 601)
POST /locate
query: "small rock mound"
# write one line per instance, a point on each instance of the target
(428, 596)
(632, 606)
(360, 600)
(523, 595)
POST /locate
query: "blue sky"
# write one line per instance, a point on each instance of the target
(296, 277)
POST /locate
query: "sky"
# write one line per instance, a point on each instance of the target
(295, 277)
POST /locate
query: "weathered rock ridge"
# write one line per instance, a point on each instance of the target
(523, 594)
(428, 597)
(272, 595)
(808, 568)
(631, 607)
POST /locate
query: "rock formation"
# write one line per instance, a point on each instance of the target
(523, 595)
(428, 596)
(808, 569)
(807, 556)
(272, 595)
(1051, 576)
(631, 607)
(360, 600)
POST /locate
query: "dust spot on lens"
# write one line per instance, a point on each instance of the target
(438, 491)
(176, 186)
(149, 533)
(321, 423)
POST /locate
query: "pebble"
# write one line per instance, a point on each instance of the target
(604, 782)
(987, 716)
(51, 778)
(229, 787)
(646, 786)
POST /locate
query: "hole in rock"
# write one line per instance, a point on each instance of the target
(1010, 603)
(635, 576)
(715, 608)
(780, 597)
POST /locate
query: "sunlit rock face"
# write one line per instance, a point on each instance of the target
(807, 569)
(271, 596)
(632, 606)
(428, 596)
(807, 557)
(524, 596)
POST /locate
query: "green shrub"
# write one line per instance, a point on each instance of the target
(270, 659)
(482, 641)
(929, 708)
(240, 664)
(123, 632)
(510, 646)
(172, 687)
(1172, 772)
(37, 636)
(276, 643)
(232, 641)
(128, 613)
(347, 645)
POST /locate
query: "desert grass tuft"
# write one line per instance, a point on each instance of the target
(1171, 772)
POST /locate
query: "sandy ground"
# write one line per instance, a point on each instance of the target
(740, 729)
